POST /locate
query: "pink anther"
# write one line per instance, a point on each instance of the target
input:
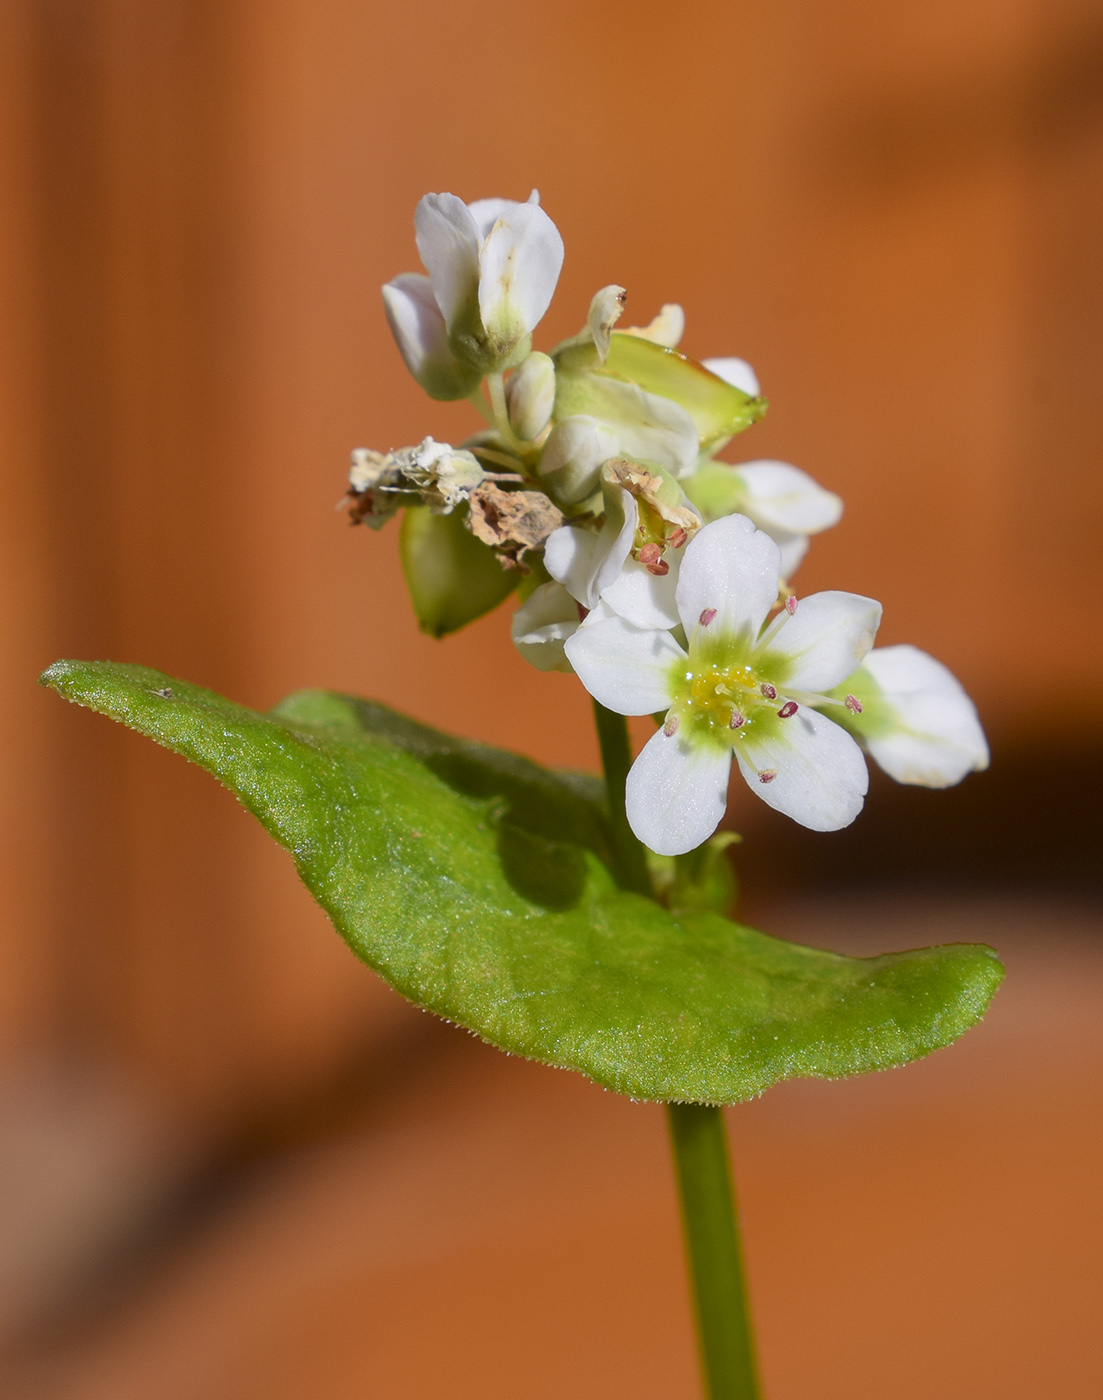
(767, 775)
(853, 704)
(791, 604)
(788, 709)
(768, 690)
(707, 614)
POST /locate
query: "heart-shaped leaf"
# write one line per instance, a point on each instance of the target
(479, 885)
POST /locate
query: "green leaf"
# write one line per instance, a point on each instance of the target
(479, 886)
(453, 578)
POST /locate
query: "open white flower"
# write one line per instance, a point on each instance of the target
(778, 497)
(493, 266)
(913, 718)
(744, 689)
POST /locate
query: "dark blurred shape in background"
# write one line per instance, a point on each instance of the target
(897, 215)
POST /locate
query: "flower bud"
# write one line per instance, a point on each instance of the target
(453, 578)
(421, 335)
(493, 267)
(570, 465)
(530, 396)
(606, 310)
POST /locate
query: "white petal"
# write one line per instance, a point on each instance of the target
(422, 338)
(519, 267)
(571, 556)
(676, 793)
(783, 497)
(542, 624)
(667, 328)
(735, 372)
(938, 738)
(626, 668)
(487, 212)
(617, 536)
(793, 549)
(573, 456)
(586, 563)
(643, 599)
(824, 641)
(448, 241)
(734, 568)
(821, 776)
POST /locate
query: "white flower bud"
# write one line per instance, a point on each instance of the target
(530, 396)
(493, 267)
(573, 455)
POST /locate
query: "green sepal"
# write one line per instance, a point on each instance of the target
(718, 409)
(453, 578)
(700, 881)
(480, 886)
(716, 489)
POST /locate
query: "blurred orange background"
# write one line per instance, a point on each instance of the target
(894, 213)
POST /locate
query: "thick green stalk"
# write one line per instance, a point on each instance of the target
(616, 759)
(715, 1255)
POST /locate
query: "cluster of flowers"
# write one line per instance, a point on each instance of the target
(658, 573)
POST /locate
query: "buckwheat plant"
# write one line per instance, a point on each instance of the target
(579, 923)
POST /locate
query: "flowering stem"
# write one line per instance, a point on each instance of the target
(714, 1251)
(495, 387)
(616, 759)
(700, 1148)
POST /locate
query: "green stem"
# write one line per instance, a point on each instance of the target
(495, 387)
(616, 759)
(714, 1251)
(700, 1148)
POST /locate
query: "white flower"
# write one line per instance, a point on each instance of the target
(493, 266)
(778, 497)
(913, 718)
(744, 688)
